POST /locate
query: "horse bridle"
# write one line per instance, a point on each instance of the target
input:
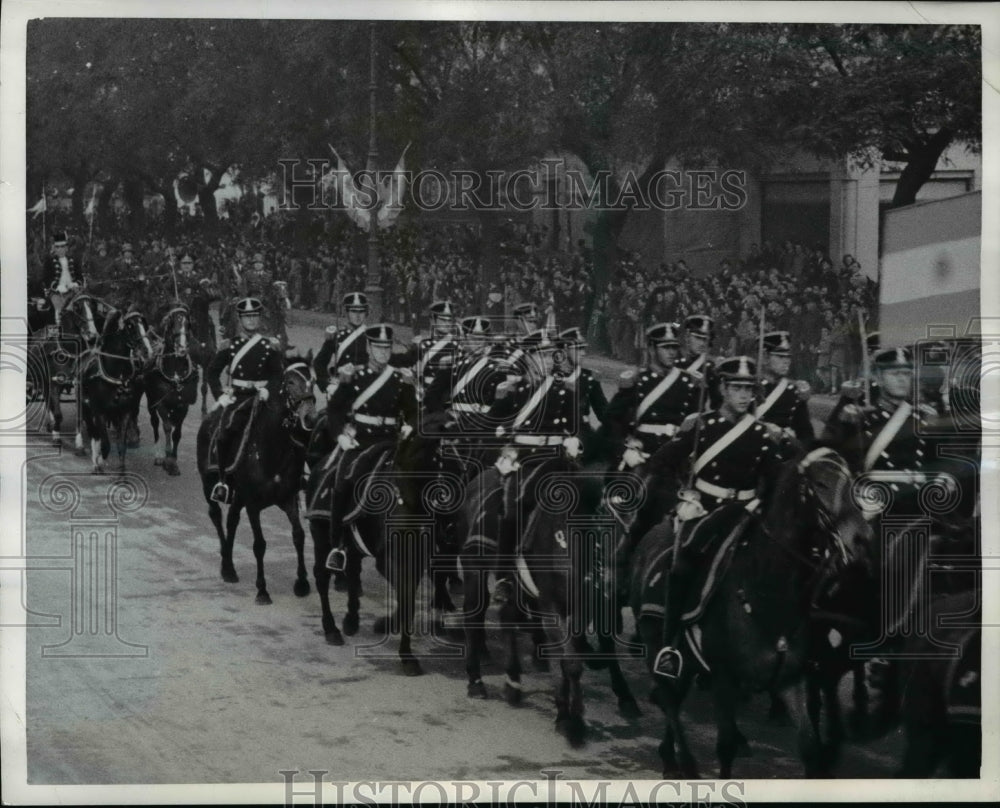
(173, 314)
(807, 490)
(133, 365)
(300, 369)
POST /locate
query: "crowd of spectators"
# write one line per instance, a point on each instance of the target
(798, 289)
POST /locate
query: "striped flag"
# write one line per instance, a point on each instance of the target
(390, 193)
(347, 192)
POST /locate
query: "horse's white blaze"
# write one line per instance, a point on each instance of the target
(95, 452)
(78, 441)
(182, 339)
(91, 327)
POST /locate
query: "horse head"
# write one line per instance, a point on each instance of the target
(175, 325)
(823, 491)
(82, 307)
(281, 292)
(133, 325)
(297, 389)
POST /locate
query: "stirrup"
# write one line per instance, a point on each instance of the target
(221, 493)
(669, 663)
(337, 560)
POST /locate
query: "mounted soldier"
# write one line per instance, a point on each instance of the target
(346, 345)
(541, 418)
(467, 390)
(859, 392)
(650, 405)
(434, 355)
(369, 409)
(63, 275)
(255, 369)
(783, 401)
(571, 347)
(725, 455)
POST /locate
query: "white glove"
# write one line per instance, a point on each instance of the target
(851, 414)
(263, 393)
(331, 388)
(634, 456)
(405, 431)
(346, 442)
(804, 389)
(507, 462)
(573, 447)
(225, 400)
(500, 432)
(346, 372)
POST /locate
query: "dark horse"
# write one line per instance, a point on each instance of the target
(57, 352)
(171, 381)
(110, 384)
(565, 568)
(752, 632)
(267, 470)
(397, 494)
(203, 330)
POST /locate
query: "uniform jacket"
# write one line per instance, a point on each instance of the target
(478, 391)
(355, 354)
(395, 399)
(262, 362)
(789, 410)
(53, 271)
(557, 412)
(671, 407)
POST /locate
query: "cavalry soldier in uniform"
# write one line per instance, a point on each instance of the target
(727, 453)
(650, 407)
(858, 392)
(369, 407)
(699, 331)
(511, 352)
(346, 345)
(63, 275)
(469, 388)
(255, 370)
(782, 400)
(541, 418)
(570, 349)
(434, 355)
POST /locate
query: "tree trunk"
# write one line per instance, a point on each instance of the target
(133, 189)
(923, 160)
(105, 213)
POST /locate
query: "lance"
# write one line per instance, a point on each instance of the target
(865, 360)
(93, 215)
(173, 275)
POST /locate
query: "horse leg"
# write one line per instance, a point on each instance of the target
(226, 542)
(724, 693)
(858, 718)
(570, 689)
(408, 575)
(204, 395)
(259, 548)
(320, 531)
(154, 420)
(627, 705)
(474, 606)
(512, 686)
(352, 572)
(170, 460)
(810, 746)
(291, 509)
(100, 444)
(121, 439)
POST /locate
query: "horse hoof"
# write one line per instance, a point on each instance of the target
(574, 728)
(230, 576)
(157, 461)
(540, 664)
(172, 470)
(381, 625)
(512, 694)
(476, 690)
(98, 470)
(263, 599)
(340, 582)
(78, 452)
(627, 708)
(334, 637)
(301, 587)
(350, 624)
(411, 667)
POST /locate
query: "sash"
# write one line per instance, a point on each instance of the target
(693, 368)
(434, 349)
(243, 352)
(469, 375)
(347, 341)
(533, 402)
(712, 451)
(889, 431)
(372, 389)
(653, 395)
(772, 397)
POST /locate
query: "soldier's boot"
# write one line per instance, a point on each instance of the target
(503, 591)
(669, 663)
(221, 491)
(336, 560)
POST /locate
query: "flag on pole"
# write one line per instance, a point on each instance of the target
(91, 205)
(347, 192)
(38, 207)
(390, 193)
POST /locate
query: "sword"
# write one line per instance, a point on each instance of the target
(865, 360)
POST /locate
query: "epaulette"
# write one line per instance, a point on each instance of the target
(626, 379)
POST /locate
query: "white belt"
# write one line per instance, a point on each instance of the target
(719, 492)
(469, 407)
(373, 420)
(906, 477)
(539, 440)
(244, 383)
(657, 429)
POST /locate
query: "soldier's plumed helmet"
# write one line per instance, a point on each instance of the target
(475, 325)
(894, 358)
(537, 340)
(442, 309)
(663, 334)
(571, 338)
(525, 310)
(379, 335)
(357, 301)
(700, 324)
(739, 369)
(249, 305)
(777, 343)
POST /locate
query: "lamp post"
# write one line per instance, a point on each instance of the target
(373, 284)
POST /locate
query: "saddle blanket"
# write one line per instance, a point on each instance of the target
(712, 541)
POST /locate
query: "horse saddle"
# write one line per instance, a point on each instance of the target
(364, 470)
